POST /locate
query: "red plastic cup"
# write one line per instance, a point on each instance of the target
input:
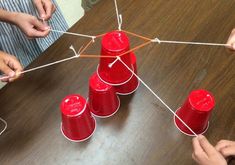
(195, 112)
(132, 85)
(103, 100)
(114, 44)
(77, 122)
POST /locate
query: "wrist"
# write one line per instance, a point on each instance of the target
(7, 16)
(12, 17)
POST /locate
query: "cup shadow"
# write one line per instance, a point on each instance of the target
(119, 119)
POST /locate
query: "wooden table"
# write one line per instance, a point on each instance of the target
(142, 132)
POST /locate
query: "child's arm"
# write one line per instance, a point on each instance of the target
(29, 25)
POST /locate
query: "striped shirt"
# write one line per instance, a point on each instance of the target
(14, 42)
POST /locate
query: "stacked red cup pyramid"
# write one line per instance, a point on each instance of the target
(111, 79)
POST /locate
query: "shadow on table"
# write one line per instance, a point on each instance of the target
(119, 119)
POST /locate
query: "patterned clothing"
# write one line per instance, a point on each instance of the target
(14, 42)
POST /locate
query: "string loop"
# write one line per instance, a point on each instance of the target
(120, 22)
(119, 16)
(156, 40)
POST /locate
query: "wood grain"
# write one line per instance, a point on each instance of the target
(142, 132)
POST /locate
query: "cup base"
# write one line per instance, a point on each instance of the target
(107, 116)
(185, 133)
(113, 84)
(81, 140)
(125, 94)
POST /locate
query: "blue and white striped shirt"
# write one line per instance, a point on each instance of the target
(14, 42)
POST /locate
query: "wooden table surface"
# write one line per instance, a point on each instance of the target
(142, 132)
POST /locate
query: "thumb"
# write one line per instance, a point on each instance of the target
(8, 71)
(40, 25)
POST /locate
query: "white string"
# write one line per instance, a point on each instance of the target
(76, 55)
(74, 51)
(50, 64)
(156, 40)
(75, 34)
(119, 16)
(111, 64)
(42, 66)
(156, 96)
(188, 43)
(120, 22)
(4, 129)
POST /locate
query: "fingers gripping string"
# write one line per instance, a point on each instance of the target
(46, 65)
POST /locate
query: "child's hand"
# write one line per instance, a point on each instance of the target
(45, 8)
(10, 66)
(31, 26)
(226, 148)
(231, 40)
(205, 154)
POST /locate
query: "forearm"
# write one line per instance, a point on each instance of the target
(6, 16)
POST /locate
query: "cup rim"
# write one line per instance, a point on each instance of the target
(97, 71)
(82, 140)
(125, 94)
(107, 116)
(185, 133)
(97, 91)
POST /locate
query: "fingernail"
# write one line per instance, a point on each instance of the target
(46, 27)
(12, 74)
(43, 16)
